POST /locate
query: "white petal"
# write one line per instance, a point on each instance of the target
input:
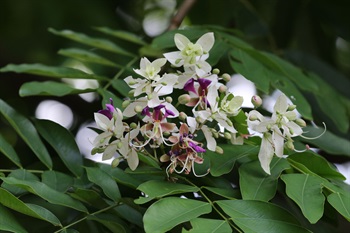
(266, 152)
(158, 63)
(297, 130)
(129, 111)
(211, 142)
(172, 57)
(192, 123)
(181, 41)
(206, 41)
(102, 121)
(144, 63)
(133, 160)
(109, 152)
(281, 104)
(171, 107)
(278, 141)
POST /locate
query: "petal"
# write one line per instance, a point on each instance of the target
(206, 41)
(211, 142)
(278, 141)
(167, 127)
(181, 41)
(281, 104)
(133, 159)
(110, 151)
(266, 152)
(103, 121)
(158, 63)
(192, 123)
(173, 57)
(296, 129)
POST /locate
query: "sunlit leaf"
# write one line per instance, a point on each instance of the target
(9, 223)
(57, 180)
(49, 88)
(317, 164)
(256, 216)
(49, 71)
(105, 181)
(27, 131)
(86, 56)
(45, 192)
(200, 225)
(125, 35)
(9, 200)
(328, 142)
(223, 163)
(255, 184)
(157, 189)
(168, 212)
(64, 144)
(306, 191)
(93, 42)
(8, 151)
(341, 203)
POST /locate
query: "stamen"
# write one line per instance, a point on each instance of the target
(312, 138)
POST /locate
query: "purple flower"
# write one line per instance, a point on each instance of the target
(108, 112)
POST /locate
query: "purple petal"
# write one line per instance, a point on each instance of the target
(110, 107)
(204, 83)
(197, 148)
(145, 112)
(107, 113)
(189, 86)
(169, 113)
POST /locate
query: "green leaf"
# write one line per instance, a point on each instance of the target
(89, 197)
(166, 40)
(57, 180)
(86, 56)
(256, 216)
(148, 160)
(64, 144)
(255, 184)
(9, 223)
(341, 203)
(168, 212)
(306, 191)
(125, 35)
(49, 88)
(317, 164)
(121, 87)
(94, 42)
(130, 212)
(12, 202)
(219, 49)
(22, 175)
(109, 221)
(107, 95)
(105, 181)
(223, 163)
(328, 142)
(45, 192)
(228, 193)
(27, 132)
(157, 189)
(200, 225)
(9, 152)
(121, 176)
(49, 71)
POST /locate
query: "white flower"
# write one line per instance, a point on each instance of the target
(231, 104)
(192, 56)
(150, 70)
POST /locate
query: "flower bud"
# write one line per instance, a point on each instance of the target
(119, 145)
(96, 150)
(289, 144)
(184, 99)
(166, 133)
(253, 117)
(115, 162)
(300, 122)
(164, 158)
(182, 116)
(131, 93)
(227, 135)
(169, 99)
(291, 107)
(219, 150)
(133, 125)
(125, 103)
(222, 89)
(199, 120)
(138, 109)
(229, 123)
(256, 101)
(216, 71)
(226, 77)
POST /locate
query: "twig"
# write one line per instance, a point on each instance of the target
(181, 13)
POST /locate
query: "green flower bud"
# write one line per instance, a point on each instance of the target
(256, 101)
(150, 96)
(169, 99)
(219, 150)
(115, 162)
(289, 144)
(138, 109)
(119, 145)
(291, 107)
(184, 99)
(253, 117)
(226, 77)
(227, 135)
(133, 125)
(131, 93)
(216, 71)
(182, 116)
(300, 122)
(222, 89)
(125, 103)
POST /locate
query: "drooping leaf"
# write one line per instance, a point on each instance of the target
(9, 152)
(125, 35)
(21, 174)
(105, 181)
(200, 225)
(317, 164)
(306, 191)
(49, 88)
(256, 216)
(168, 212)
(49, 71)
(9, 200)
(86, 56)
(328, 142)
(45, 192)
(341, 203)
(255, 184)
(64, 144)
(223, 163)
(94, 42)
(27, 131)
(57, 180)
(157, 189)
(121, 176)
(9, 223)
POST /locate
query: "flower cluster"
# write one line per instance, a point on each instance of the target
(208, 111)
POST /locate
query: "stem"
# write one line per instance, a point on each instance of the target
(121, 71)
(213, 206)
(84, 218)
(181, 13)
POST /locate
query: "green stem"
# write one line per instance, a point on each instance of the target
(84, 218)
(213, 206)
(121, 71)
